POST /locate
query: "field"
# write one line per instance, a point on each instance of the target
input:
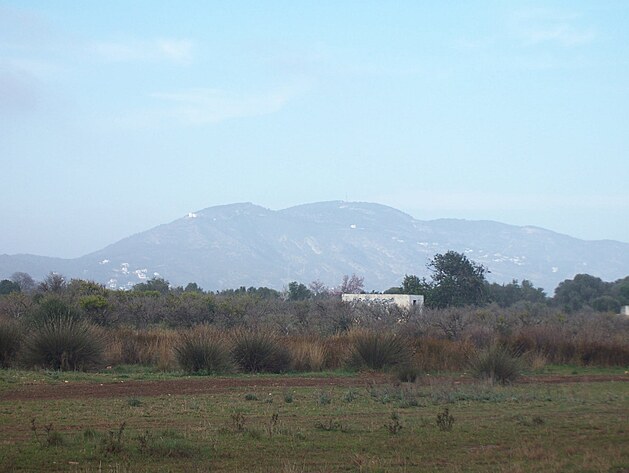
(141, 420)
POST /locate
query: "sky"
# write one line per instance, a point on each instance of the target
(118, 116)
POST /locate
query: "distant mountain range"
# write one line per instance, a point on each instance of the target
(237, 245)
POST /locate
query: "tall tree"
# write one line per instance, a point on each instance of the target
(456, 281)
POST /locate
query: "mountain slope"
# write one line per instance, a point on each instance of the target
(247, 245)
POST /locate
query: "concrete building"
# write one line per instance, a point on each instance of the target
(624, 310)
(401, 300)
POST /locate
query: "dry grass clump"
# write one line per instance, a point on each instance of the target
(438, 354)
(308, 355)
(148, 347)
(203, 350)
(259, 351)
(377, 349)
(63, 343)
(496, 363)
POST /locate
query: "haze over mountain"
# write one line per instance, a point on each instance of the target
(247, 245)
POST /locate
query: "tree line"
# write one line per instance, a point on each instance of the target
(454, 281)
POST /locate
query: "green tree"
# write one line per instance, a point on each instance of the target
(456, 281)
(7, 287)
(298, 292)
(155, 284)
(575, 294)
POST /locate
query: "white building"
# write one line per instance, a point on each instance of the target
(624, 310)
(401, 300)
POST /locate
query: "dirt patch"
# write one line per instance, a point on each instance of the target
(211, 385)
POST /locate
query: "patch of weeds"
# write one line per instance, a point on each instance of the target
(165, 446)
(251, 397)
(254, 434)
(385, 394)
(89, 434)
(288, 397)
(113, 443)
(238, 421)
(394, 426)
(325, 398)
(528, 421)
(407, 373)
(350, 395)
(51, 437)
(331, 425)
(134, 402)
(272, 426)
(445, 420)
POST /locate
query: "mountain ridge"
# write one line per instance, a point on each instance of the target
(246, 244)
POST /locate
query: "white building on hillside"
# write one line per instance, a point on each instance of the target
(401, 300)
(624, 310)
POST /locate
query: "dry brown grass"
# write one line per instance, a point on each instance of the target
(308, 355)
(150, 347)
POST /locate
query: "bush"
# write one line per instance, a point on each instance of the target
(10, 337)
(496, 364)
(259, 351)
(202, 351)
(308, 355)
(63, 343)
(377, 350)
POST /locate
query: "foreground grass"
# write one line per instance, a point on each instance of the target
(373, 428)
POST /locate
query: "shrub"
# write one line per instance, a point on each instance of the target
(496, 364)
(63, 343)
(10, 337)
(259, 351)
(308, 355)
(377, 350)
(202, 351)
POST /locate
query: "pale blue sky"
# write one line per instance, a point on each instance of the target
(117, 116)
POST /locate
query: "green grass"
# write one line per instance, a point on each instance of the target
(516, 428)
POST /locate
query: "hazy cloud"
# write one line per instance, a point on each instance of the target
(173, 50)
(543, 26)
(201, 106)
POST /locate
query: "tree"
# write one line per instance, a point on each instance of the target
(506, 295)
(456, 281)
(574, 294)
(352, 284)
(24, 280)
(155, 284)
(54, 283)
(7, 287)
(298, 292)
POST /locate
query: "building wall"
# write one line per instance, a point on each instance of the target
(624, 310)
(401, 300)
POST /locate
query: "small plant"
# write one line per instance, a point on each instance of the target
(350, 395)
(394, 426)
(113, 443)
(52, 438)
(288, 397)
(331, 425)
(251, 397)
(259, 351)
(496, 364)
(134, 402)
(238, 421)
(203, 351)
(445, 420)
(325, 398)
(377, 350)
(271, 427)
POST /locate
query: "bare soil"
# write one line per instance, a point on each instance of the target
(212, 385)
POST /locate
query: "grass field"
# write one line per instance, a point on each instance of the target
(293, 424)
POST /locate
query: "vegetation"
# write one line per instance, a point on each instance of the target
(202, 350)
(440, 426)
(496, 363)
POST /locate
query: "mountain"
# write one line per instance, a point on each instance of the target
(247, 245)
